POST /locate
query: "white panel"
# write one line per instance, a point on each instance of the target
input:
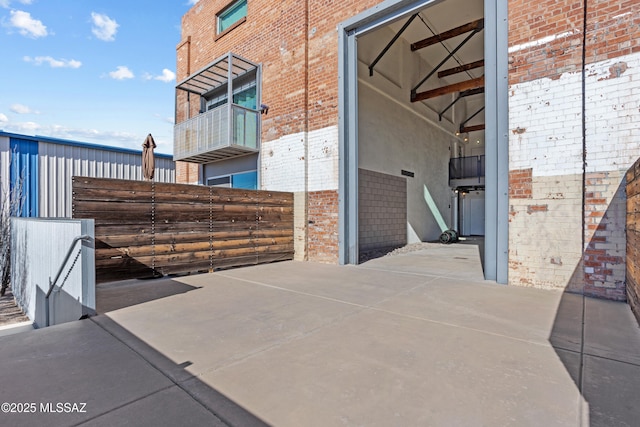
(5, 162)
(48, 241)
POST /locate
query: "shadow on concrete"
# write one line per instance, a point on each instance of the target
(598, 340)
(116, 295)
(223, 408)
(476, 241)
(111, 376)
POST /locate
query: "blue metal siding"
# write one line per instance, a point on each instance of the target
(24, 174)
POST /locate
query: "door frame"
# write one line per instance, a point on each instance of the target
(496, 132)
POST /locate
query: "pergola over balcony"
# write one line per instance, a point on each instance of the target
(228, 130)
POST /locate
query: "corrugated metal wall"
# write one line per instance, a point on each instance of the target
(5, 161)
(59, 162)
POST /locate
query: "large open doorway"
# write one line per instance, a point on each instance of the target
(423, 127)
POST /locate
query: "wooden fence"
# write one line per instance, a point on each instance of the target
(146, 228)
(633, 238)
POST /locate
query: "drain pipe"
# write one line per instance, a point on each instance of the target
(84, 238)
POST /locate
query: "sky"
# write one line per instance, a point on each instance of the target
(100, 71)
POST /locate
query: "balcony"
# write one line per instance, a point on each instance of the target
(209, 137)
(228, 124)
(466, 171)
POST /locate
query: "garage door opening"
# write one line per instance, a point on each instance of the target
(420, 149)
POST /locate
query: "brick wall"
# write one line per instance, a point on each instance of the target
(297, 48)
(382, 210)
(633, 238)
(323, 226)
(554, 167)
(187, 173)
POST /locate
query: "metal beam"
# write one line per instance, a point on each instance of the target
(456, 87)
(460, 96)
(461, 68)
(437, 67)
(471, 26)
(462, 125)
(471, 128)
(388, 46)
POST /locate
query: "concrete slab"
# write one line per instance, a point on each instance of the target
(387, 369)
(226, 320)
(116, 295)
(169, 407)
(603, 334)
(452, 261)
(523, 313)
(309, 344)
(76, 362)
(567, 330)
(347, 284)
(612, 389)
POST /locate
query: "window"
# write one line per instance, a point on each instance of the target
(235, 12)
(244, 180)
(243, 95)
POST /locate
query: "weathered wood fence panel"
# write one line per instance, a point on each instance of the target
(146, 228)
(633, 238)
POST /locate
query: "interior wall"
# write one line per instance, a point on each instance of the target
(382, 210)
(395, 134)
(392, 140)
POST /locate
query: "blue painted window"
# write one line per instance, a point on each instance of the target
(247, 180)
(231, 15)
(244, 180)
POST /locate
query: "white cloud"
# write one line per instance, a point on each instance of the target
(3, 118)
(167, 76)
(22, 109)
(26, 25)
(192, 2)
(104, 27)
(24, 127)
(121, 73)
(54, 63)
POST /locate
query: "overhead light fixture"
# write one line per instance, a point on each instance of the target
(466, 138)
(478, 142)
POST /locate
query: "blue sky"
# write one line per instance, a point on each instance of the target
(99, 71)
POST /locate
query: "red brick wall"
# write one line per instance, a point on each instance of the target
(520, 182)
(612, 27)
(298, 49)
(323, 226)
(299, 58)
(187, 173)
(534, 20)
(633, 238)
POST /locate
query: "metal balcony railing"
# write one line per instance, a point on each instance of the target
(226, 131)
(466, 167)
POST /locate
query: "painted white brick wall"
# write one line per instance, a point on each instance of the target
(545, 120)
(546, 136)
(613, 114)
(283, 162)
(323, 159)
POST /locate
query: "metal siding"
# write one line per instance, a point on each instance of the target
(59, 163)
(5, 159)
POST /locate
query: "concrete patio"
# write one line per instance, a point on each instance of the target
(415, 339)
